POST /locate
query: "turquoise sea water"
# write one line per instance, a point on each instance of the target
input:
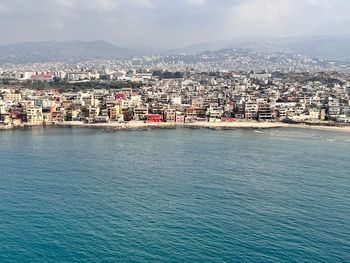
(80, 195)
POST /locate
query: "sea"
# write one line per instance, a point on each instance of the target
(174, 195)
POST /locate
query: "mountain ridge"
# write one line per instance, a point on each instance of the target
(324, 47)
(49, 51)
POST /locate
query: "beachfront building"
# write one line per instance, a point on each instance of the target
(180, 118)
(264, 112)
(251, 110)
(170, 115)
(140, 113)
(154, 118)
(314, 114)
(115, 113)
(34, 116)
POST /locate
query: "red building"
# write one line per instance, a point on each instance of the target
(42, 77)
(228, 119)
(120, 96)
(154, 118)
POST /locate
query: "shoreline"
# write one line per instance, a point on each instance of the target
(137, 125)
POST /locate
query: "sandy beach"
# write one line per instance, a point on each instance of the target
(137, 125)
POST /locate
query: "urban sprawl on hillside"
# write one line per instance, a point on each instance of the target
(105, 94)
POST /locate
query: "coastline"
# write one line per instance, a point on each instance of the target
(138, 125)
(164, 125)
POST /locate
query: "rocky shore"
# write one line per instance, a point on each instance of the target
(138, 125)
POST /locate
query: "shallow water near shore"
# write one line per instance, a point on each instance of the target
(174, 195)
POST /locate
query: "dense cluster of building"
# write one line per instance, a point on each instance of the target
(197, 96)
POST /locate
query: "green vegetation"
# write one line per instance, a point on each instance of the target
(168, 75)
(76, 86)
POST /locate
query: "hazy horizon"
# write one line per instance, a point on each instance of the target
(165, 24)
(204, 42)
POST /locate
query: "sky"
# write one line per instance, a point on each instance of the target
(168, 23)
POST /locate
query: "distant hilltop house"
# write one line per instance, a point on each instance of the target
(79, 76)
(42, 77)
(262, 75)
(33, 75)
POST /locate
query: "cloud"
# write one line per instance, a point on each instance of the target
(196, 2)
(168, 23)
(3, 8)
(290, 17)
(58, 25)
(65, 3)
(103, 5)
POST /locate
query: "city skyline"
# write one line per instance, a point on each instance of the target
(165, 24)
